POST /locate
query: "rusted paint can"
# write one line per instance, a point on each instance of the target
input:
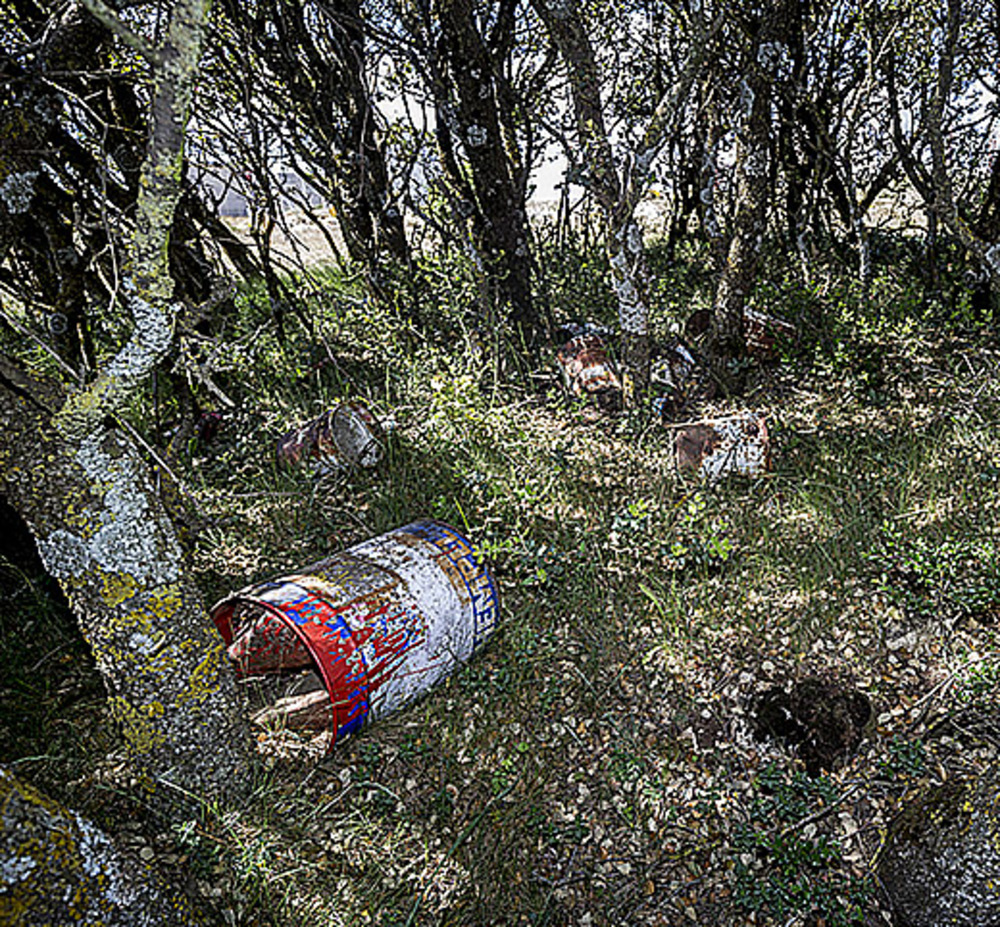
(765, 333)
(347, 435)
(588, 370)
(383, 621)
(715, 448)
(672, 372)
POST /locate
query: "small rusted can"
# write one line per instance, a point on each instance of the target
(765, 333)
(588, 370)
(383, 621)
(715, 448)
(347, 435)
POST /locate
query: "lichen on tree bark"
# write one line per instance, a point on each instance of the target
(85, 492)
(58, 868)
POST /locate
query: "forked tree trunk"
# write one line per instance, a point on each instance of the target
(618, 192)
(88, 498)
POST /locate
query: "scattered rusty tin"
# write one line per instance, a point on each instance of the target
(588, 370)
(382, 622)
(672, 372)
(765, 333)
(714, 448)
(347, 435)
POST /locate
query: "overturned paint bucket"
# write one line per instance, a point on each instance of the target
(714, 448)
(347, 435)
(382, 622)
(588, 371)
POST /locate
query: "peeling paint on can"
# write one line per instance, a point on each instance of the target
(588, 370)
(715, 448)
(672, 372)
(347, 435)
(765, 333)
(383, 621)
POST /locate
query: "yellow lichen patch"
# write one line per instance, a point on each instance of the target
(137, 724)
(157, 608)
(165, 602)
(117, 588)
(81, 522)
(204, 679)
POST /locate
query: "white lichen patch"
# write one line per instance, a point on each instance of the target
(773, 57)
(755, 162)
(746, 98)
(476, 136)
(17, 190)
(632, 312)
(993, 259)
(16, 869)
(560, 9)
(149, 342)
(126, 540)
(633, 238)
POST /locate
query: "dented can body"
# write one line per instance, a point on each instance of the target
(586, 366)
(382, 622)
(347, 435)
(765, 333)
(715, 448)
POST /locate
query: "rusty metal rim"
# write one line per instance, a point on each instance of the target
(337, 721)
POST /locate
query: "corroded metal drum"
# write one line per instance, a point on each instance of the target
(347, 435)
(383, 621)
(717, 447)
(586, 366)
(765, 334)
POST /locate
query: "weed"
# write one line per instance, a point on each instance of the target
(785, 865)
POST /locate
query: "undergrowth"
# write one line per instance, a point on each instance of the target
(593, 764)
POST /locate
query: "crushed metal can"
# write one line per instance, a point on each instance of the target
(588, 371)
(347, 435)
(765, 333)
(714, 448)
(672, 372)
(381, 622)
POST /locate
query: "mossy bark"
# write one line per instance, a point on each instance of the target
(104, 535)
(58, 868)
(89, 500)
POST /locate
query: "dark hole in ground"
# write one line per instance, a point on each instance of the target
(823, 719)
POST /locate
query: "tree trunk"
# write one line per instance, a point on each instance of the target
(769, 59)
(984, 251)
(500, 224)
(58, 868)
(86, 495)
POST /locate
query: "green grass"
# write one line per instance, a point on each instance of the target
(594, 758)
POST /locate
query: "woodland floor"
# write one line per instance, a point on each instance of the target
(600, 761)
